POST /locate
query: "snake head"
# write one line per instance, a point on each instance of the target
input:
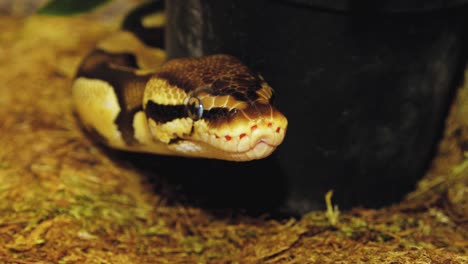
(227, 111)
(239, 130)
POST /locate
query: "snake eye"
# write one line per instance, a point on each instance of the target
(194, 108)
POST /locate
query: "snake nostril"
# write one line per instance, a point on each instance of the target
(278, 129)
(253, 127)
(270, 124)
(227, 137)
(242, 135)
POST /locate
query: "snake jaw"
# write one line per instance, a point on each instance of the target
(242, 139)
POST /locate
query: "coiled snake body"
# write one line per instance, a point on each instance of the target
(209, 107)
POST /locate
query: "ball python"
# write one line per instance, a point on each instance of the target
(129, 97)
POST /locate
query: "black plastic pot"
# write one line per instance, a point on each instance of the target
(365, 87)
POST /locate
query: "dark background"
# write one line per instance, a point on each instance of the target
(365, 88)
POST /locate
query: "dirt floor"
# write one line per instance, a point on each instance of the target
(65, 200)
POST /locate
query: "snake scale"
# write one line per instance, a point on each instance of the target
(130, 98)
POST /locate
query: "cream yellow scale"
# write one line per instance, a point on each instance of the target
(208, 107)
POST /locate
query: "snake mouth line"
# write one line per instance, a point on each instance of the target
(260, 149)
(194, 148)
(216, 147)
(260, 143)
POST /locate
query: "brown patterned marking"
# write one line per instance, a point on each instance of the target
(219, 116)
(164, 113)
(254, 111)
(97, 58)
(123, 42)
(222, 74)
(128, 86)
